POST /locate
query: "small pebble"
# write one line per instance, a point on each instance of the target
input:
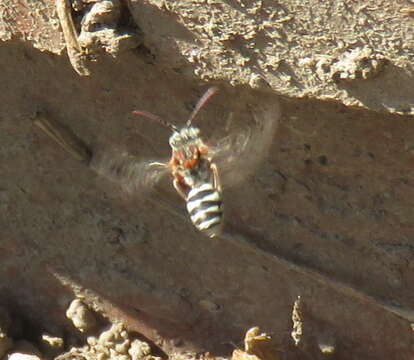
(82, 318)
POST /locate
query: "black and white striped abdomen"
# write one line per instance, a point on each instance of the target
(205, 208)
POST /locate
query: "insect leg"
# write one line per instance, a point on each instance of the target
(180, 189)
(216, 178)
(157, 163)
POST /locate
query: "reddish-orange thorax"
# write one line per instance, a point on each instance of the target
(188, 157)
(189, 162)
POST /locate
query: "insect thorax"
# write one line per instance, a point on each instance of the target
(190, 160)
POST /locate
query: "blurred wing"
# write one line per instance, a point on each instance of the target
(240, 154)
(131, 173)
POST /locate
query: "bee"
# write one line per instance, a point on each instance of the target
(195, 176)
(193, 165)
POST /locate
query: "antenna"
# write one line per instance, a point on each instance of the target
(155, 118)
(203, 101)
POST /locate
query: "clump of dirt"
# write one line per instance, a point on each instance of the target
(112, 341)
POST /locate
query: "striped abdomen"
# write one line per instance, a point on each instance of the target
(205, 208)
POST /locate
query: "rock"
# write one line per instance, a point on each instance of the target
(51, 346)
(23, 350)
(82, 318)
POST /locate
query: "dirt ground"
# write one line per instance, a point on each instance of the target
(318, 247)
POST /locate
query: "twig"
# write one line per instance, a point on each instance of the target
(76, 56)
